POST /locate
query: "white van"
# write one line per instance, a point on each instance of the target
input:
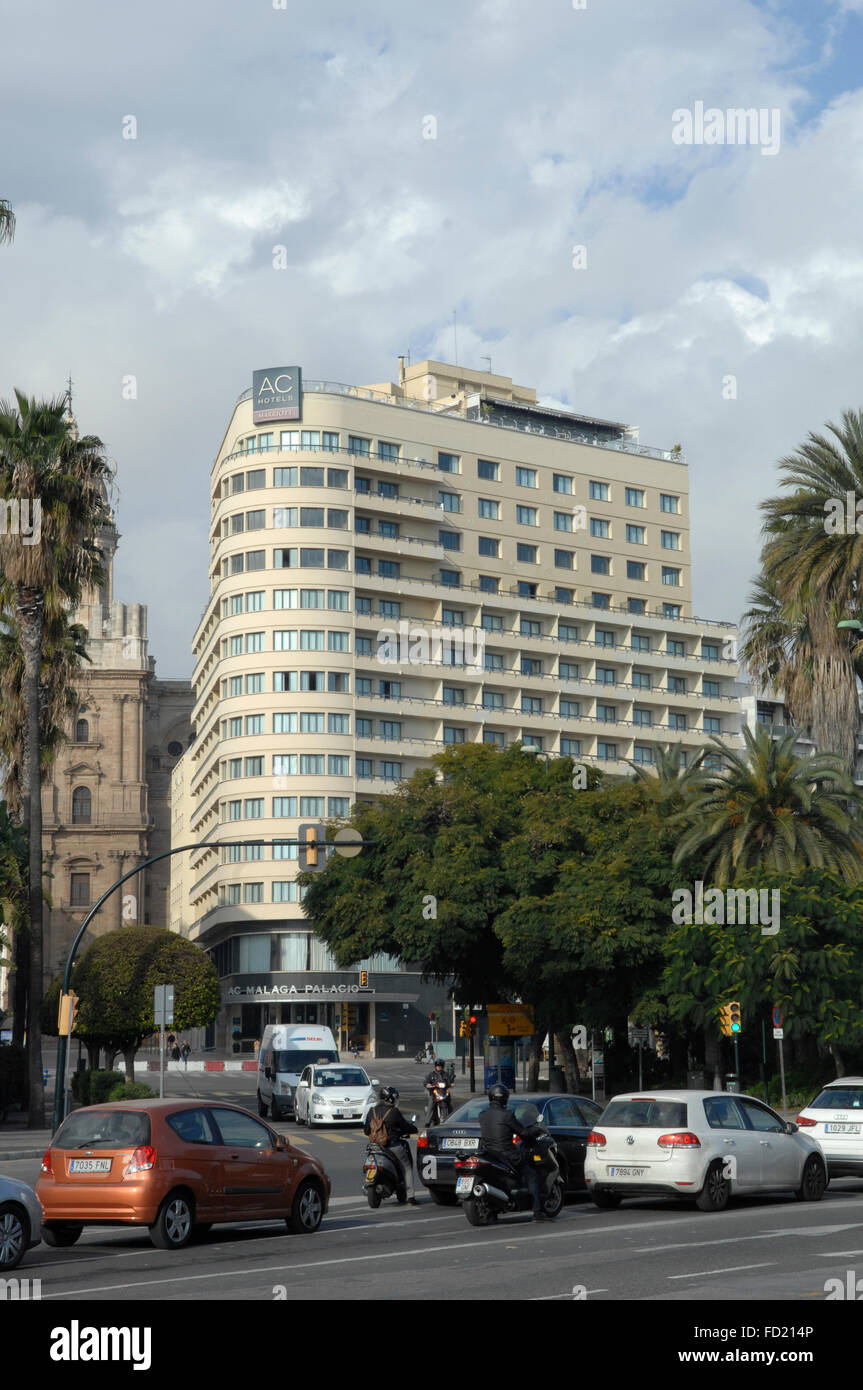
(286, 1050)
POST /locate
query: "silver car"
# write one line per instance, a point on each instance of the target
(20, 1222)
(704, 1146)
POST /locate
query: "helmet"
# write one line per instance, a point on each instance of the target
(498, 1095)
(439, 1063)
(390, 1095)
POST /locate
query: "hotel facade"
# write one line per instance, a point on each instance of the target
(395, 569)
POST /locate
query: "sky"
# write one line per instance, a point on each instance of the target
(716, 303)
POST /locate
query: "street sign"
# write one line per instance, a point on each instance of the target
(348, 842)
(779, 1032)
(510, 1020)
(640, 1037)
(777, 1016)
(163, 1005)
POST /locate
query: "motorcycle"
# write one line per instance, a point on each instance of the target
(383, 1176)
(440, 1104)
(489, 1187)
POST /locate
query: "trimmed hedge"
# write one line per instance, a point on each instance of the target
(94, 1087)
(137, 1091)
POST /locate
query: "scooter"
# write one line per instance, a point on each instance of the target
(488, 1187)
(440, 1104)
(383, 1176)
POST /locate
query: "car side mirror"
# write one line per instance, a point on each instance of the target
(376, 1083)
(791, 1127)
(281, 1142)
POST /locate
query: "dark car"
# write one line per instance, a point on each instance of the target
(569, 1119)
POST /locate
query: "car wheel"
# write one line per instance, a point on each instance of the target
(60, 1234)
(307, 1210)
(297, 1116)
(442, 1198)
(813, 1180)
(477, 1212)
(553, 1203)
(606, 1201)
(14, 1235)
(716, 1190)
(262, 1109)
(275, 1112)
(173, 1227)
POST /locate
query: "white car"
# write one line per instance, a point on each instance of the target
(834, 1119)
(333, 1094)
(701, 1145)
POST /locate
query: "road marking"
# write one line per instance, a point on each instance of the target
(833, 1254)
(732, 1269)
(550, 1297)
(764, 1235)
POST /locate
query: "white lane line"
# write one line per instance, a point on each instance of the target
(551, 1297)
(834, 1254)
(732, 1269)
(763, 1235)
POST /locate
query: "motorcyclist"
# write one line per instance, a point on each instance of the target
(498, 1127)
(437, 1077)
(398, 1130)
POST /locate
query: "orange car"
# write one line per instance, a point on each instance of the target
(176, 1167)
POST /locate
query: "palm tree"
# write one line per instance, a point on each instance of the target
(43, 461)
(815, 575)
(769, 809)
(13, 909)
(7, 221)
(669, 777)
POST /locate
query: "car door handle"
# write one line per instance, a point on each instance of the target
(235, 1155)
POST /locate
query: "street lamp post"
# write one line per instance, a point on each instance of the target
(348, 846)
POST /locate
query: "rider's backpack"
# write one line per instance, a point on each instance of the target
(378, 1132)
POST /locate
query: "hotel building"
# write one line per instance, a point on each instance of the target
(551, 546)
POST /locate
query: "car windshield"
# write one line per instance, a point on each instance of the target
(103, 1129)
(295, 1062)
(347, 1076)
(838, 1098)
(645, 1113)
(524, 1110)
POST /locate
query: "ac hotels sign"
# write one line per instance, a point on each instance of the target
(276, 394)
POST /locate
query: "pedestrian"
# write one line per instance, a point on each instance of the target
(256, 1047)
(186, 1050)
(175, 1053)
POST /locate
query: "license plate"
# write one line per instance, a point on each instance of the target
(464, 1185)
(460, 1144)
(841, 1129)
(90, 1165)
(626, 1172)
(371, 1175)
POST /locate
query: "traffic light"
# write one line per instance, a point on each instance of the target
(462, 1028)
(312, 838)
(66, 1013)
(469, 1026)
(364, 979)
(730, 1019)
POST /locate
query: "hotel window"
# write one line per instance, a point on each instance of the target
(567, 633)
(284, 598)
(492, 699)
(671, 610)
(525, 554)
(388, 490)
(235, 810)
(338, 642)
(531, 704)
(289, 439)
(606, 714)
(449, 501)
(364, 685)
(237, 564)
(492, 622)
(493, 661)
(231, 894)
(641, 680)
(363, 485)
(284, 680)
(488, 510)
(337, 559)
(387, 451)
(284, 891)
(452, 735)
(487, 470)
(570, 709)
(606, 752)
(712, 725)
(364, 605)
(254, 767)
(450, 577)
(356, 445)
(339, 600)
(677, 685)
(489, 547)
(570, 747)
(642, 754)
(634, 496)
(526, 516)
(338, 765)
(492, 736)
(364, 727)
(389, 530)
(312, 680)
(362, 525)
(642, 717)
(525, 477)
(391, 728)
(79, 890)
(330, 442)
(311, 477)
(235, 728)
(256, 521)
(525, 589)
(284, 641)
(562, 482)
(311, 516)
(312, 723)
(338, 806)
(253, 808)
(236, 646)
(389, 608)
(235, 768)
(598, 492)
(338, 723)
(563, 521)
(489, 584)
(677, 721)
(450, 540)
(568, 671)
(254, 724)
(284, 477)
(285, 764)
(257, 477)
(238, 483)
(564, 595)
(604, 637)
(337, 518)
(709, 651)
(390, 690)
(391, 772)
(531, 666)
(529, 627)
(255, 683)
(282, 849)
(670, 576)
(255, 601)
(311, 598)
(599, 528)
(453, 695)
(285, 723)
(311, 641)
(285, 558)
(668, 503)
(364, 767)
(600, 564)
(238, 524)
(636, 605)
(254, 641)
(311, 764)
(635, 534)
(236, 604)
(606, 675)
(311, 806)
(636, 569)
(710, 689)
(675, 647)
(670, 540)
(236, 686)
(388, 569)
(448, 463)
(564, 559)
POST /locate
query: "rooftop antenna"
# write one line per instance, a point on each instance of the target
(69, 392)
(488, 360)
(455, 336)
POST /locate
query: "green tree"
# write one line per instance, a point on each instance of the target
(115, 979)
(7, 221)
(62, 479)
(768, 808)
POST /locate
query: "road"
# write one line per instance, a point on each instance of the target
(768, 1248)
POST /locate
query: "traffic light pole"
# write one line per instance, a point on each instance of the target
(350, 848)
